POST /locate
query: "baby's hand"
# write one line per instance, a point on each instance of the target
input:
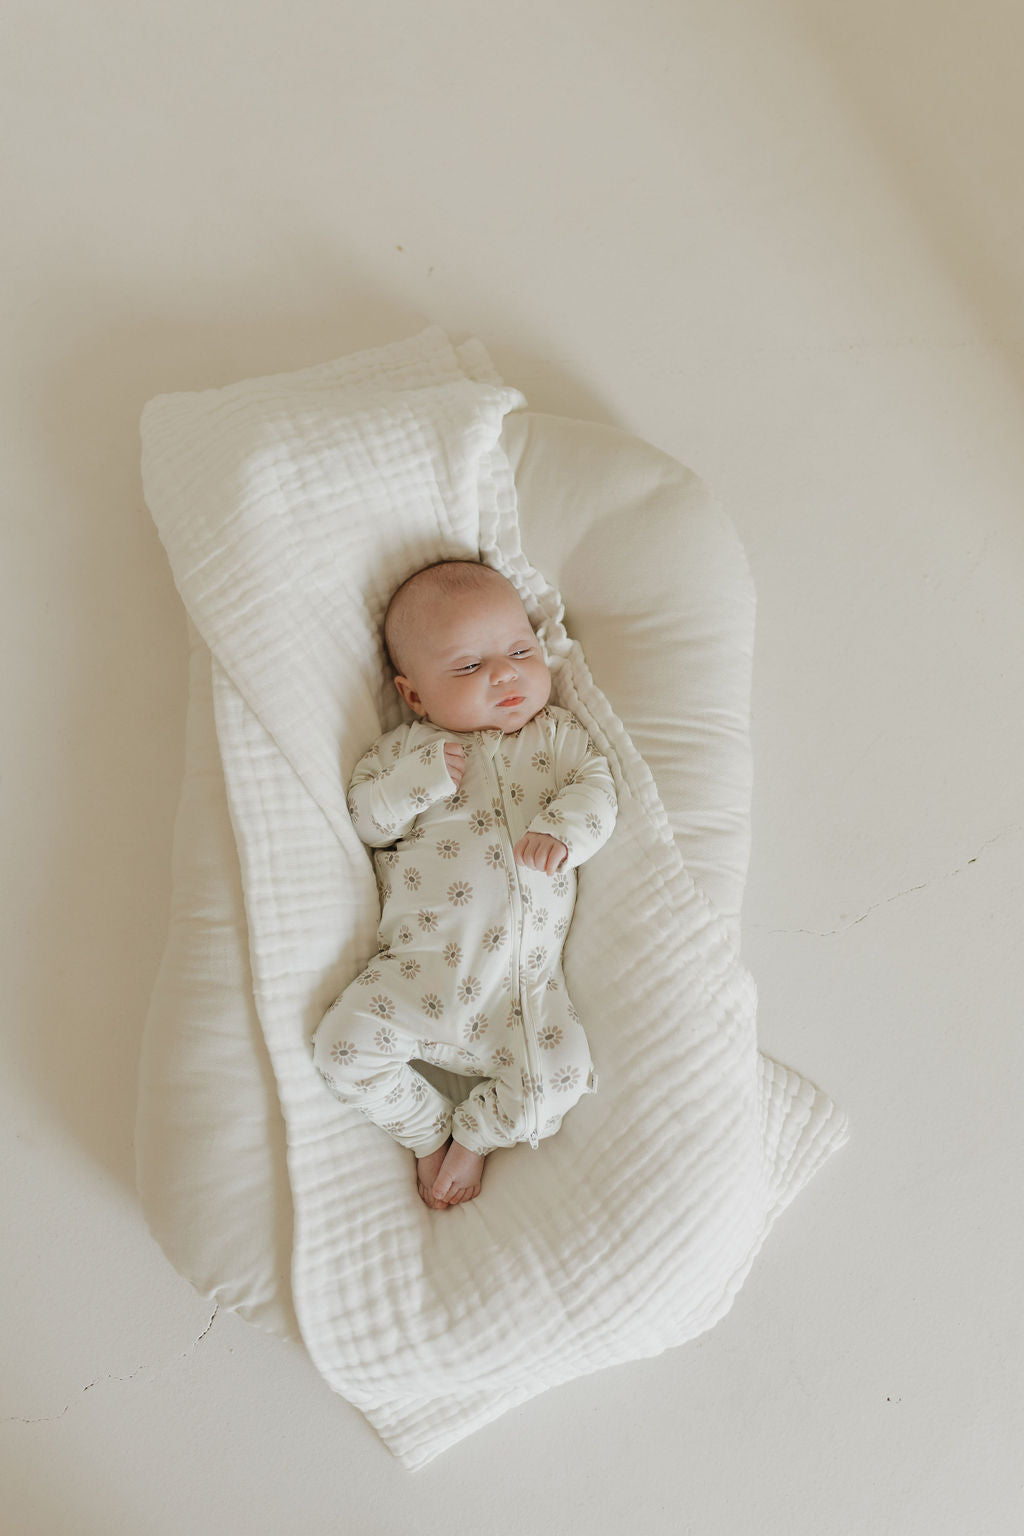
(539, 851)
(455, 761)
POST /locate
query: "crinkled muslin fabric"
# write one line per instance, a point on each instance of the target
(290, 508)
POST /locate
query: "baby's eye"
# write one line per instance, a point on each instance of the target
(469, 667)
(525, 652)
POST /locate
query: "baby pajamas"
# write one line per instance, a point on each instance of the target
(469, 973)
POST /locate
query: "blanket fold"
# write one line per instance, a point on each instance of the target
(291, 507)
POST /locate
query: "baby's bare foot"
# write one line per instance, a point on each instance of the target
(427, 1170)
(460, 1176)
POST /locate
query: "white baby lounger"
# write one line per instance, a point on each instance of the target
(291, 507)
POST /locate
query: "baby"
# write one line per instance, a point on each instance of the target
(482, 809)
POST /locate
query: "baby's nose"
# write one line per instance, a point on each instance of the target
(502, 672)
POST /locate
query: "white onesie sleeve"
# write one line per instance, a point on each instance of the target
(582, 815)
(384, 798)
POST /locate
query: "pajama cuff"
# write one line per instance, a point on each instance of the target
(431, 1146)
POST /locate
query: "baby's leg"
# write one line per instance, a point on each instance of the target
(492, 1115)
(362, 1049)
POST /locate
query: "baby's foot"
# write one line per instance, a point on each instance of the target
(460, 1176)
(427, 1170)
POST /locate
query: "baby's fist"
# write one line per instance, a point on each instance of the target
(455, 761)
(539, 851)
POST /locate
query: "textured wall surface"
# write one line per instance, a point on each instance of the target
(781, 242)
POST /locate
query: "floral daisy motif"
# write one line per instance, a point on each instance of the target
(497, 807)
(515, 1016)
(493, 856)
(369, 977)
(466, 1118)
(468, 1058)
(452, 954)
(459, 893)
(505, 1121)
(561, 927)
(427, 920)
(447, 848)
(502, 1057)
(495, 938)
(527, 898)
(382, 1007)
(418, 797)
(397, 1092)
(541, 761)
(394, 1127)
(385, 891)
(552, 984)
(506, 983)
(532, 1084)
(572, 1012)
(428, 1050)
(546, 797)
(364, 1083)
(428, 753)
(410, 969)
(432, 1005)
(468, 989)
(439, 1123)
(476, 1026)
(404, 934)
(457, 801)
(538, 954)
(540, 917)
(481, 822)
(560, 884)
(416, 835)
(353, 808)
(554, 814)
(389, 860)
(593, 823)
(418, 1088)
(386, 1038)
(343, 1052)
(413, 879)
(516, 794)
(385, 828)
(396, 749)
(570, 777)
(506, 760)
(548, 1036)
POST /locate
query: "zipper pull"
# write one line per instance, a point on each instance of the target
(534, 1140)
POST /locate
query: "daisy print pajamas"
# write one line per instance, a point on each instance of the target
(469, 973)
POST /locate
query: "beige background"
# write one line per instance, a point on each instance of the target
(781, 241)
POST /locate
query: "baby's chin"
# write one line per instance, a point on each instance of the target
(507, 720)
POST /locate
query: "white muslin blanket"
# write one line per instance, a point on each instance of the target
(290, 508)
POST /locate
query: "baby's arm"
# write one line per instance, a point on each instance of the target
(387, 793)
(582, 814)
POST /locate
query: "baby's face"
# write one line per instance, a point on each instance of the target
(478, 664)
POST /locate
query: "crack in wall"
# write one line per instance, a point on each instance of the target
(52, 1418)
(830, 933)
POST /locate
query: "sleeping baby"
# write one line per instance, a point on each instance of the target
(480, 810)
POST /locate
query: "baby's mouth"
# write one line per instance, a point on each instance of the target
(511, 701)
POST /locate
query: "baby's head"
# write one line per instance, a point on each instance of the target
(463, 649)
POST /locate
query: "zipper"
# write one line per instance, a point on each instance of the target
(517, 925)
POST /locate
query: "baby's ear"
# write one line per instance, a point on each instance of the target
(409, 694)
